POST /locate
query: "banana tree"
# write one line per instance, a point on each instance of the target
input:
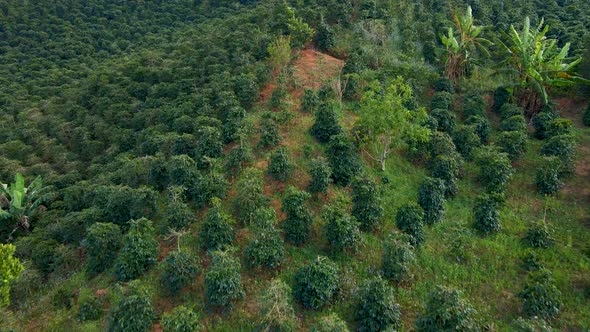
(463, 45)
(536, 64)
(18, 203)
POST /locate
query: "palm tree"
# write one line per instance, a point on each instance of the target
(18, 203)
(463, 46)
(536, 64)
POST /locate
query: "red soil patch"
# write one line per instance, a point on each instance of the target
(312, 68)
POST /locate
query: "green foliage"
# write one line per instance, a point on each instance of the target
(440, 144)
(487, 217)
(410, 220)
(299, 218)
(119, 204)
(510, 110)
(547, 178)
(501, 97)
(447, 169)
(235, 121)
(387, 122)
(249, 195)
(559, 126)
(102, 243)
(539, 235)
(326, 122)
(316, 283)
(324, 37)
(310, 101)
(209, 146)
(540, 297)
(398, 257)
(447, 310)
(178, 215)
(513, 143)
(238, 157)
(216, 231)
(495, 170)
(280, 166)
(541, 123)
(44, 254)
(300, 32)
(343, 159)
(267, 247)
(564, 148)
(133, 312)
(586, 118)
(377, 309)
(444, 84)
(246, 90)
(269, 132)
(279, 52)
(139, 252)
(431, 197)
(179, 269)
(276, 310)
(534, 324)
(204, 188)
(223, 283)
(513, 123)
(341, 229)
(89, 305)
(466, 140)
(321, 176)
(474, 105)
(442, 100)
(366, 203)
(445, 120)
(180, 319)
(330, 323)
(10, 269)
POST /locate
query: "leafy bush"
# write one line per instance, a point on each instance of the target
(238, 157)
(321, 176)
(279, 165)
(207, 186)
(531, 261)
(216, 231)
(267, 247)
(547, 178)
(344, 161)
(326, 123)
(324, 37)
(398, 256)
(330, 323)
(178, 215)
(316, 283)
(89, 305)
(209, 145)
(133, 312)
(474, 105)
(278, 95)
(513, 123)
(513, 143)
(563, 147)
(431, 197)
(446, 310)
(299, 218)
(539, 235)
(410, 220)
(540, 297)
(446, 168)
(444, 84)
(501, 97)
(495, 170)
(482, 127)
(366, 203)
(541, 123)
(445, 119)
(310, 101)
(234, 123)
(269, 132)
(179, 269)
(442, 100)
(249, 195)
(559, 126)
(223, 283)
(466, 140)
(276, 311)
(510, 110)
(487, 218)
(377, 309)
(534, 324)
(102, 243)
(341, 229)
(180, 319)
(440, 144)
(139, 252)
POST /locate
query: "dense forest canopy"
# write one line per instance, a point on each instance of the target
(314, 165)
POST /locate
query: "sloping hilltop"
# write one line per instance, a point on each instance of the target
(294, 166)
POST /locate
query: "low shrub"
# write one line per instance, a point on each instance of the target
(276, 311)
(410, 220)
(321, 176)
(547, 177)
(447, 310)
(133, 311)
(341, 229)
(139, 252)
(89, 305)
(398, 257)
(482, 127)
(487, 217)
(377, 309)
(180, 319)
(330, 323)
(513, 143)
(179, 270)
(316, 283)
(216, 231)
(431, 197)
(223, 282)
(442, 100)
(540, 297)
(466, 140)
(299, 218)
(102, 243)
(445, 119)
(366, 203)
(539, 235)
